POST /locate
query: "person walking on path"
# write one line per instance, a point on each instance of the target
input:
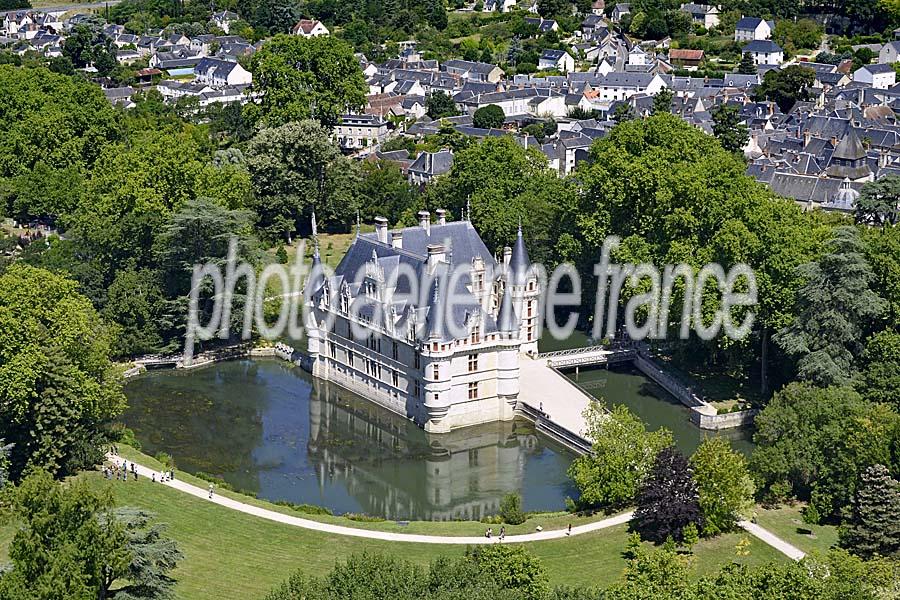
(502, 533)
(569, 530)
(210, 491)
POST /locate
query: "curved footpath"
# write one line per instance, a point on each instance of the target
(193, 490)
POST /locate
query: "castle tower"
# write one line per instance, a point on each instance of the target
(522, 282)
(509, 327)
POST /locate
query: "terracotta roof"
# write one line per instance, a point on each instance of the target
(685, 54)
(306, 25)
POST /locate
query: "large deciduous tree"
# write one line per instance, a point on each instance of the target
(819, 441)
(724, 485)
(622, 456)
(296, 168)
(874, 527)
(439, 105)
(57, 384)
(835, 308)
(668, 500)
(879, 376)
(302, 78)
(786, 86)
(503, 185)
(488, 117)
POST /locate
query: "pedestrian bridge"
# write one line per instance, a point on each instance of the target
(590, 355)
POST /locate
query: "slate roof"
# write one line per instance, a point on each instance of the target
(761, 46)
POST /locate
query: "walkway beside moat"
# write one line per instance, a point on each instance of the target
(263, 513)
(554, 402)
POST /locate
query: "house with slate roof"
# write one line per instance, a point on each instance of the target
(764, 52)
(425, 322)
(753, 28)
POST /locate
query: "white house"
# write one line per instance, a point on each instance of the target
(753, 28)
(224, 19)
(619, 11)
(499, 5)
(702, 14)
(556, 59)
(354, 132)
(764, 52)
(880, 77)
(218, 73)
(309, 28)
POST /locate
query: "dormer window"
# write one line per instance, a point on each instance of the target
(476, 334)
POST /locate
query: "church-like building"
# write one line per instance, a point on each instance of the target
(447, 357)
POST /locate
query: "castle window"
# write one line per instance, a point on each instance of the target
(437, 371)
(530, 333)
(333, 349)
(350, 357)
(530, 308)
(394, 351)
(478, 284)
(473, 363)
(417, 361)
(473, 390)
(416, 388)
(476, 334)
(395, 379)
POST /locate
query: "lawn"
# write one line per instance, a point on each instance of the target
(787, 523)
(229, 554)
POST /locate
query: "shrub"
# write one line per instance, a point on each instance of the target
(361, 518)
(511, 509)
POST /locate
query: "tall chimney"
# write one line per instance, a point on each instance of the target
(441, 216)
(381, 229)
(507, 255)
(425, 220)
(397, 239)
(436, 254)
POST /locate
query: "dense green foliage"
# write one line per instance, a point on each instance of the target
(488, 117)
(57, 384)
(72, 543)
(302, 78)
(873, 527)
(819, 441)
(836, 308)
(622, 457)
(511, 509)
(786, 86)
(724, 485)
(728, 127)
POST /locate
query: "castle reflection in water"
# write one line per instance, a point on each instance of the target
(396, 470)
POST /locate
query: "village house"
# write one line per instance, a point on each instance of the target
(753, 28)
(879, 76)
(473, 71)
(224, 19)
(309, 28)
(219, 73)
(429, 165)
(556, 59)
(354, 132)
(702, 14)
(764, 52)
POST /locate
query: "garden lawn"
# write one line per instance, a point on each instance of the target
(229, 554)
(787, 523)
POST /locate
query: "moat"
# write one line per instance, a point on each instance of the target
(270, 428)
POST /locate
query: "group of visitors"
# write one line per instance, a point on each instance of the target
(119, 472)
(164, 476)
(490, 533)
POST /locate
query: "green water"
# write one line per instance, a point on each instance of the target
(654, 405)
(267, 427)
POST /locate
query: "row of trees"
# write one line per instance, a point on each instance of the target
(512, 573)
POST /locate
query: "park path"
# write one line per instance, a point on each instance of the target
(552, 534)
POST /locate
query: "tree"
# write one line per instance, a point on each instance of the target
(793, 36)
(62, 65)
(879, 202)
(136, 303)
(511, 509)
(729, 128)
(489, 117)
(6, 5)
(385, 191)
(786, 86)
(512, 567)
(662, 101)
(835, 307)
(79, 46)
(624, 112)
(440, 105)
(724, 485)
(819, 441)
(297, 168)
(623, 454)
(873, 526)
(57, 384)
(554, 8)
(503, 185)
(667, 501)
(302, 78)
(879, 377)
(747, 66)
(4, 462)
(72, 544)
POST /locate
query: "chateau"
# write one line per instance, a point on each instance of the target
(446, 356)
